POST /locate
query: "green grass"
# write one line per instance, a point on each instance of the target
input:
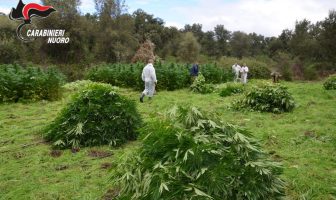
(304, 141)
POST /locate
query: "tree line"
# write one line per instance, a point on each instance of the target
(111, 34)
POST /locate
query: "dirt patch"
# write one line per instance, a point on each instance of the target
(75, 150)
(106, 166)
(99, 154)
(56, 153)
(111, 194)
(277, 158)
(12, 116)
(311, 103)
(310, 134)
(18, 155)
(61, 167)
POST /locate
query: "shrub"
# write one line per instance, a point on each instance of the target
(258, 69)
(284, 64)
(18, 83)
(214, 74)
(190, 156)
(97, 115)
(77, 85)
(199, 85)
(259, 72)
(230, 89)
(311, 72)
(330, 83)
(267, 98)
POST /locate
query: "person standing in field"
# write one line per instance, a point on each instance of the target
(236, 70)
(149, 77)
(194, 70)
(244, 71)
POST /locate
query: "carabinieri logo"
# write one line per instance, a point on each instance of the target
(25, 12)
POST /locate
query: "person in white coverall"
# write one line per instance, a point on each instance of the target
(149, 77)
(244, 71)
(235, 70)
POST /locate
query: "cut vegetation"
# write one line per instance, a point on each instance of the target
(302, 140)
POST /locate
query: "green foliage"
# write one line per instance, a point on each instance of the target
(191, 156)
(97, 115)
(330, 83)
(189, 48)
(77, 85)
(284, 65)
(267, 98)
(230, 89)
(170, 76)
(214, 74)
(310, 72)
(32, 83)
(258, 68)
(199, 85)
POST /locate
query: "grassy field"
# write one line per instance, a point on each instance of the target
(304, 141)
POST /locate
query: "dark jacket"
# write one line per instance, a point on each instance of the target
(194, 70)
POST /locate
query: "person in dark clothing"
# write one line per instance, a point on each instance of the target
(194, 70)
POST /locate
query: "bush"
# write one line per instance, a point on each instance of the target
(267, 98)
(258, 69)
(259, 72)
(77, 85)
(311, 72)
(18, 83)
(97, 115)
(190, 156)
(330, 83)
(230, 89)
(214, 74)
(199, 85)
(284, 64)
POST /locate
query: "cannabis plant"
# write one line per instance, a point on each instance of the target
(200, 86)
(230, 89)
(266, 98)
(189, 155)
(330, 83)
(96, 115)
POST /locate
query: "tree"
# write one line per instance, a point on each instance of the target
(189, 48)
(222, 37)
(303, 43)
(328, 38)
(67, 18)
(257, 44)
(109, 9)
(208, 44)
(172, 37)
(240, 44)
(196, 29)
(115, 40)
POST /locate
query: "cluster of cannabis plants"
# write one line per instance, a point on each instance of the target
(188, 155)
(200, 86)
(266, 98)
(96, 115)
(230, 89)
(330, 83)
(18, 83)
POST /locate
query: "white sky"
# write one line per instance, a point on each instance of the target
(266, 17)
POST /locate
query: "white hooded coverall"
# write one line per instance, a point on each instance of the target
(149, 77)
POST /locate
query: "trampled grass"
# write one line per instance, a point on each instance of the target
(304, 141)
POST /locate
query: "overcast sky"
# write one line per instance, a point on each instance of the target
(266, 17)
